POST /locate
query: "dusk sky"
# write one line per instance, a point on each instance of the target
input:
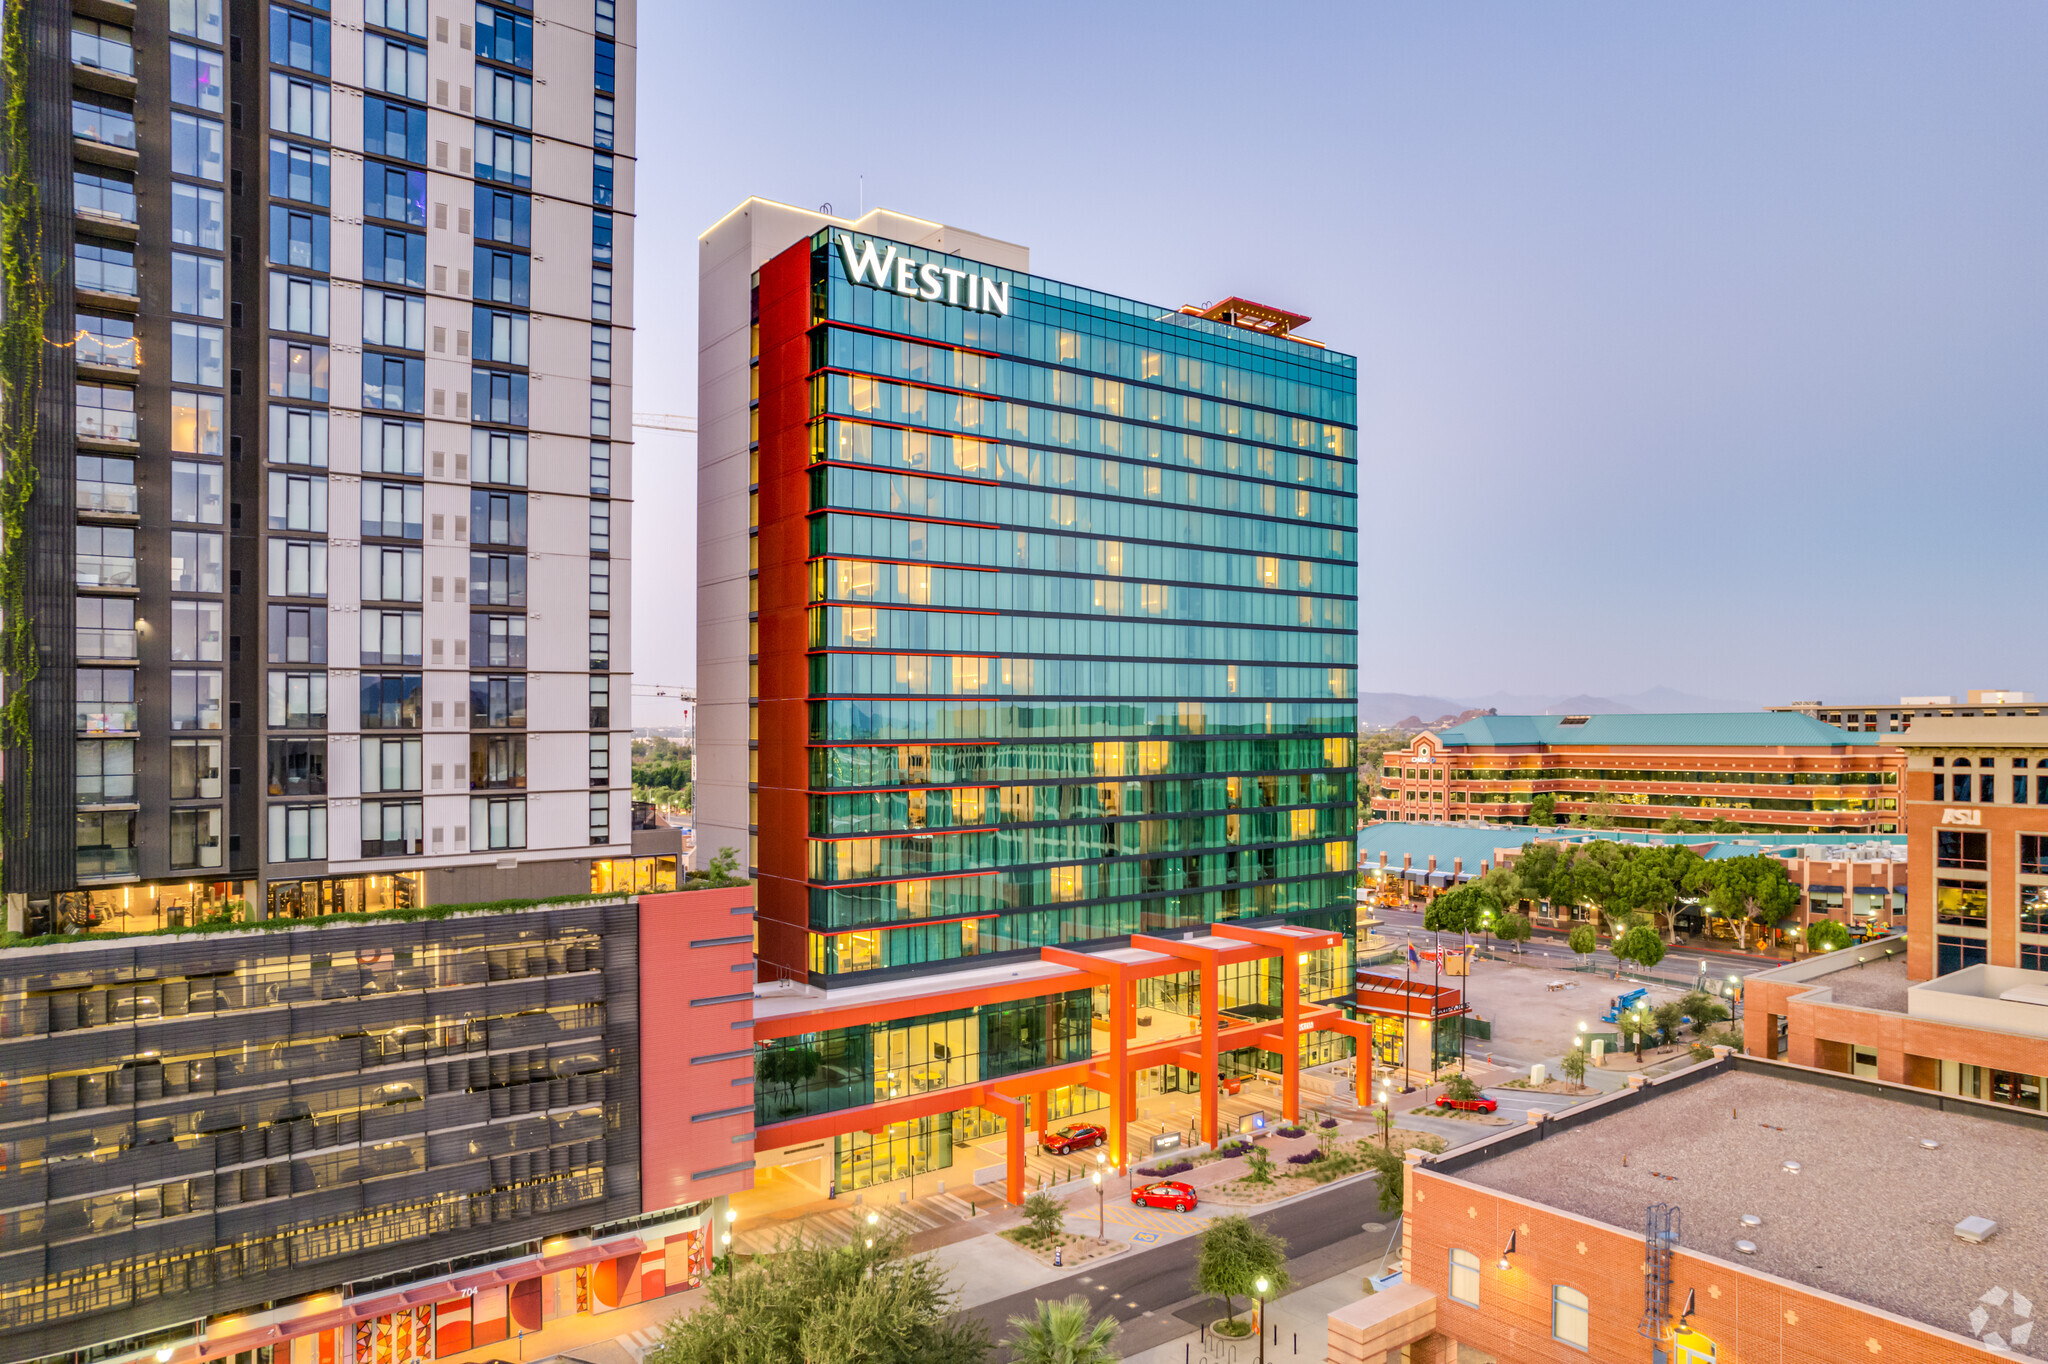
(1700, 346)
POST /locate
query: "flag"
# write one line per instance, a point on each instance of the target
(1413, 959)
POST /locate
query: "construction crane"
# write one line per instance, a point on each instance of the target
(665, 690)
(664, 421)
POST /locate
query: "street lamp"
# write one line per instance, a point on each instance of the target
(1387, 1119)
(1262, 1286)
(1096, 1176)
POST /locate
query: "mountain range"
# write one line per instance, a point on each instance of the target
(1385, 708)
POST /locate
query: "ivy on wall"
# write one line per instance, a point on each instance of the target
(21, 358)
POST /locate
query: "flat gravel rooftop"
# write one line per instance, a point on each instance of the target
(1870, 1217)
(1874, 985)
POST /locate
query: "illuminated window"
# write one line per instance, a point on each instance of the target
(1269, 571)
(861, 396)
(1465, 1277)
(1569, 1317)
(1067, 883)
(857, 625)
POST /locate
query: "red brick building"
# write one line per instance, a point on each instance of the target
(1667, 1225)
(1763, 770)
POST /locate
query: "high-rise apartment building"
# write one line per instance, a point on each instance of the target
(327, 554)
(1027, 611)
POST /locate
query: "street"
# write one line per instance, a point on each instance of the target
(1402, 925)
(1145, 1288)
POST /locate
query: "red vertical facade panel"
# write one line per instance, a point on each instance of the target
(782, 603)
(696, 1000)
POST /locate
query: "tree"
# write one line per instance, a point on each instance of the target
(1392, 1168)
(1460, 1086)
(1543, 810)
(1063, 1332)
(1459, 909)
(1574, 1066)
(814, 1303)
(1670, 1020)
(1583, 939)
(1045, 1215)
(1258, 1166)
(1536, 868)
(1651, 880)
(1826, 935)
(723, 871)
(1515, 928)
(1724, 825)
(1235, 1254)
(1593, 877)
(1704, 1010)
(1751, 889)
(1640, 945)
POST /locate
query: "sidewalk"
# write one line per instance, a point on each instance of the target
(1297, 1326)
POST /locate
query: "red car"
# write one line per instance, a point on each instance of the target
(1467, 1105)
(1169, 1193)
(1079, 1137)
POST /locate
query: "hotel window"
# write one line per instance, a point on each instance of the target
(1569, 1319)
(1465, 1277)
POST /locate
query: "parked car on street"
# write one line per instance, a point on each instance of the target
(1168, 1193)
(1479, 1105)
(1075, 1137)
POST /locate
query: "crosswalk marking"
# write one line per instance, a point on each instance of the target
(638, 1343)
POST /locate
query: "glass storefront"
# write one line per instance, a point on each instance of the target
(313, 898)
(632, 875)
(145, 908)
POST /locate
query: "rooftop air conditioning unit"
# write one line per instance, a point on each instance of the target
(1976, 1230)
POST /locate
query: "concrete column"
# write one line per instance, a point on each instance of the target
(1290, 1054)
(1121, 1022)
(1211, 1068)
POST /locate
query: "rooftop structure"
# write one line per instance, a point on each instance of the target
(1885, 717)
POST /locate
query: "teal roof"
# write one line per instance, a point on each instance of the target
(1477, 843)
(1732, 729)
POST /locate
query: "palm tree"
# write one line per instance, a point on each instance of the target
(1062, 1333)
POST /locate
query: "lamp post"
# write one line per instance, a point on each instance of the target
(1639, 1034)
(1387, 1119)
(1262, 1286)
(1096, 1176)
(732, 1215)
(873, 1218)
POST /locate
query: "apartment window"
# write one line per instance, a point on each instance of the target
(600, 817)
(497, 580)
(196, 354)
(497, 762)
(100, 193)
(394, 383)
(600, 527)
(390, 765)
(196, 284)
(504, 98)
(298, 41)
(195, 769)
(298, 304)
(298, 833)
(195, 77)
(394, 68)
(498, 457)
(196, 19)
(393, 447)
(497, 641)
(391, 828)
(497, 822)
(600, 585)
(105, 772)
(390, 701)
(105, 119)
(198, 214)
(1465, 1277)
(600, 760)
(601, 295)
(106, 412)
(300, 437)
(500, 336)
(600, 642)
(391, 637)
(300, 370)
(196, 147)
(600, 702)
(105, 339)
(506, 158)
(601, 176)
(107, 47)
(502, 216)
(497, 518)
(195, 631)
(502, 277)
(396, 193)
(298, 568)
(106, 844)
(406, 16)
(105, 701)
(297, 634)
(195, 699)
(298, 700)
(606, 122)
(301, 173)
(394, 130)
(394, 511)
(600, 409)
(391, 256)
(104, 627)
(107, 484)
(195, 561)
(1570, 1321)
(499, 396)
(606, 75)
(1956, 848)
(502, 36)
(298, 767)
(600, 468)
(196, 492)
(195, 838)
(105, 267)
(497, 702)
(391, 573)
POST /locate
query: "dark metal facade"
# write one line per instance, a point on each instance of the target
(197, 1125)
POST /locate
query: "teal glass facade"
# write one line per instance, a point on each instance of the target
(1082, 621)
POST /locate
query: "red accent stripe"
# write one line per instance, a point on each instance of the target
(914, 563)
(907, 473)
(900, 606)
(928, 833)
(914, 340)
(898, 880)
(902, 516)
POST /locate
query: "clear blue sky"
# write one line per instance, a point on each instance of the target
(1703, 345)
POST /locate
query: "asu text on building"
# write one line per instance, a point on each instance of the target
(1026, 611)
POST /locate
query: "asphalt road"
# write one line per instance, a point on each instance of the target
(1324, 1232)
(1678, 961)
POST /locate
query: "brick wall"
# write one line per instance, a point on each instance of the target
(696, 984)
